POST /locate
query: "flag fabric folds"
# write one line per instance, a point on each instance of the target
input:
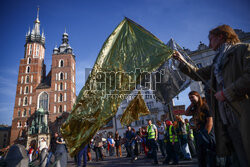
(136, 108)
(170, 81)
(127, 53)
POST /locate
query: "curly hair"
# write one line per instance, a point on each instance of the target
(227, 32)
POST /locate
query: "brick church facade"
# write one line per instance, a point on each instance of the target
(54, 92)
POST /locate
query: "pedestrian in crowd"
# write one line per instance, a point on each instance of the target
(172, 144)
(203, 129)
(111, 145)
(137, 143)
(118, 144)
(190, 137)
(31, 151)
(42, 144)
(98, 144)
(82, 153)
(229, 76)
(161, 130)
(143, 134)
(89, 158)
(152, 138)
(183, 139)
(130, 143)
(52, 147)
(61, 152)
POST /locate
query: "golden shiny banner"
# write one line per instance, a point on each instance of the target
(127, 53)
(136, 108)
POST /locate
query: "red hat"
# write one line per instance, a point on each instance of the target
(169, 122)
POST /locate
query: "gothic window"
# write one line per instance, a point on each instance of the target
(65, 86)
(61, 63)
(61, 86)
(55, 87)
(30, 50)
(54, 109)
(24, 113)
(19, 101)
(37, 50)
(22, 79)
(65, 75)
(44, 101)
(61, 76)
(19, 124)
(28, 69)
(65, 108)
(55, 98)
(31, 89)
(27, 79)
(21, 90)
(19, 113)
(61, 97)
(31, 80)
(65, 96)
(60, 109)
(29, 60)
(25, 101)
(26, 90)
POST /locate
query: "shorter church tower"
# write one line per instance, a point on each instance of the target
(62, 79)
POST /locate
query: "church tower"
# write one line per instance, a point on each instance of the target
(62, 79)
(32, 70)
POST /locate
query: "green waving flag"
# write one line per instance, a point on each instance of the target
(129, 53)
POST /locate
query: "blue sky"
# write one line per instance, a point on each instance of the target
(89, 23)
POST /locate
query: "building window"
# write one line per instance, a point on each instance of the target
(29, 111)
(22, 79)
(19, 113)
(60, 109)
(21, 90)
(19, 101)
(64, 108)
(28, 69)
(37, 50)
(150, 104)
(30, 50)
(27, 79)
(29, 60)
(31, 89)
(61, 86)
(31, 80)
(65, 75)
(26, 90)
(55, 86)
(44, 101)
(30, 100)
(65, 96)
(25, 123)
(148, 96)
(25, 101)
(61, 76)
(61, 98)
(19, 124)
(55, 98)
(24, 113)
(54, 109)
(65, 86)
(61, 63)
(199, 65)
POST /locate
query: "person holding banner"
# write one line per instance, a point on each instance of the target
(229, 76)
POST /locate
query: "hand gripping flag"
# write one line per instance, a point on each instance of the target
(127, 53)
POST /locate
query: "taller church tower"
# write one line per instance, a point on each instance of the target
(31, 71)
